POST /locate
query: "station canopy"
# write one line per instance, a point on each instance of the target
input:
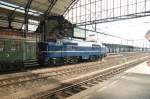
(14, 10)
(58, 6)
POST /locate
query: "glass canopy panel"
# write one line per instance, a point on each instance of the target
(86, 12)
(59, 7)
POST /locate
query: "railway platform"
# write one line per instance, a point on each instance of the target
(131, 84)
(46, 82)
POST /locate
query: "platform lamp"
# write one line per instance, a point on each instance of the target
(147, 35)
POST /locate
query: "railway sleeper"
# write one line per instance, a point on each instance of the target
(4, 82)
(73, 91)
(95, 82)
(104, 78)
(69, 92)
(108, 75)
(99, 80)
(90, 84)
(62, 94)
(77, 89)
(56, 96)
(84, 86)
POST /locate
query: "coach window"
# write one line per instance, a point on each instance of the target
(1, 46)
(14, 46)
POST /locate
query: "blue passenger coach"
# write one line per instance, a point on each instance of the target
(70, 51)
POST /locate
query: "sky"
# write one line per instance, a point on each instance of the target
(132, 29)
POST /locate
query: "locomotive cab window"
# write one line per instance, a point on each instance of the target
(1, 46)
(94, 45)
(72, 45)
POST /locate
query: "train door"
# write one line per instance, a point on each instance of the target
(30, 50)
(16, 55)
(7, 49)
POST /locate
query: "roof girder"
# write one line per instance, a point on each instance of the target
(59, 6)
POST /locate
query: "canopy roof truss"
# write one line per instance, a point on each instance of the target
(17, 13)
(88, 12)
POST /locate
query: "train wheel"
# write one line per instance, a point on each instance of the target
(19, 66)
(57, 61)
(91, 58)
(74, 60)
(100, 58)
(65, 60)
(53, 61)
(68, 61)
(48, 63)
(60, 61)
(1, 67)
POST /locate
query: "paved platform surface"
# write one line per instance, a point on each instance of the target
(132, 84)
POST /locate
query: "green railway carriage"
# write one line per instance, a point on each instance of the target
(16, 52)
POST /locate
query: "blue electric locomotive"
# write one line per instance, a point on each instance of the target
(70, 51)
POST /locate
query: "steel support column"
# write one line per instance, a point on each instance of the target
(10, 19)
(108, 11)
(45, 21)
(26, 17)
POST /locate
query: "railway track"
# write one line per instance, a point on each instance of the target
(52, 73)
(61, 74)
(85, 83)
